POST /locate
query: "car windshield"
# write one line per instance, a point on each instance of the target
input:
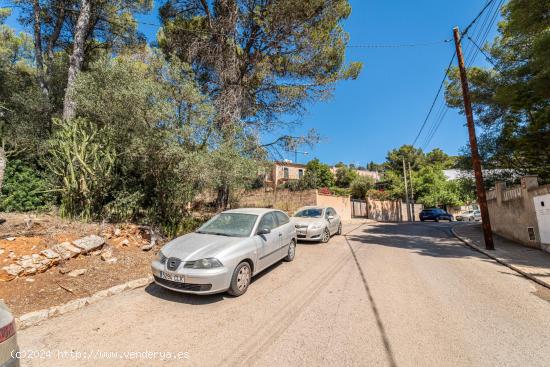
(229, 224)
(310, 213)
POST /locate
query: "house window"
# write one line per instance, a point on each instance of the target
(285, 172)
(300, 173)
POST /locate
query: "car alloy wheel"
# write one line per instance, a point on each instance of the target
(240, 280)
(291, 251)
(326, 236)
(243, 278)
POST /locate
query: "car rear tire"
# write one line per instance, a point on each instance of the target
(291, 251)
(325, 236)
(339, 232)
(240, 279)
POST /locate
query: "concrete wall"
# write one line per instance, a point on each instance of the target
(512, 211)
(384, 210)
(290, 201)
(342, 204)
(391, 210)
(286, 200)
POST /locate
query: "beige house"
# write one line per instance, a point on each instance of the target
(282, 172)
(364, 173)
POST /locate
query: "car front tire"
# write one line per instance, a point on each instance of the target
(339, 232)
(291, 251)
(326, 236)
(240, 279)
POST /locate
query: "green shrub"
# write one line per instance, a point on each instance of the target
(338, 191)
(379, 194)
(360, 186)
(185, 225)
(125, 207)
(23, 189)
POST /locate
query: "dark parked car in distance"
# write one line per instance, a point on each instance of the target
(435, 214)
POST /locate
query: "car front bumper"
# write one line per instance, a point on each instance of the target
(8, 348)
(307, 234)
(196, 281)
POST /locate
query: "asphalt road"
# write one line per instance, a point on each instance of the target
(385, 295)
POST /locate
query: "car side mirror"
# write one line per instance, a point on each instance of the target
(264, 231)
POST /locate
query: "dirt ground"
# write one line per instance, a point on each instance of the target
(25, 235)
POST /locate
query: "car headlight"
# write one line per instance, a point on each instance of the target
(161, 257)
(208, 263)
(316, 226)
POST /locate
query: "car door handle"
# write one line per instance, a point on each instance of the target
(280, 235)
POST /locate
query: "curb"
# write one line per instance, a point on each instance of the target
(488, 254)
(36, 317)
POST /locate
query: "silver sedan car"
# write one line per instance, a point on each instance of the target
(8, 340)
(315, 223)
(226, 252)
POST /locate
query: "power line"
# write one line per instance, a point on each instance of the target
(476, 18)
(483, 52)
(435, 98)
(366, 45)
(400, 45)
(482, 33)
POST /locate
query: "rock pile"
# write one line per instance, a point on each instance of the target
(39, 263)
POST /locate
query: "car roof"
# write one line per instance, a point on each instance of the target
(312, 207)
(254, 211)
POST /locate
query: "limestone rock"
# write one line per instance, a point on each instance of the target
(107, 254)
(89, 243)
(77, 272)
(13, 269)
(67, 250)
(49, 254)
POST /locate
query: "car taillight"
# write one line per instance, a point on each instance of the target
(7, 331)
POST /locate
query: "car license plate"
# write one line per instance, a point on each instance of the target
(172, 277)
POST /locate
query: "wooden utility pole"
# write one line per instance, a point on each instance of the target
(476, 161)
(412, 191)
(406, 192)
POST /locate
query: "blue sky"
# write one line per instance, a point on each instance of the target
(384, 108)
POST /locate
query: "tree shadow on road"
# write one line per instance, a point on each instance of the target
(426, 240)
(379, 323)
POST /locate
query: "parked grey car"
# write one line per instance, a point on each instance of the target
(8, 340)
(315, 223)
(226, 252)
(469, 216)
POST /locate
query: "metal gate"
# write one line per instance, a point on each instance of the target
(358, 208)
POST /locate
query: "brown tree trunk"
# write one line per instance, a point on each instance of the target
(75, 62)
(38, 46)
(3, 162)
(57, 30)
(222, 201)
